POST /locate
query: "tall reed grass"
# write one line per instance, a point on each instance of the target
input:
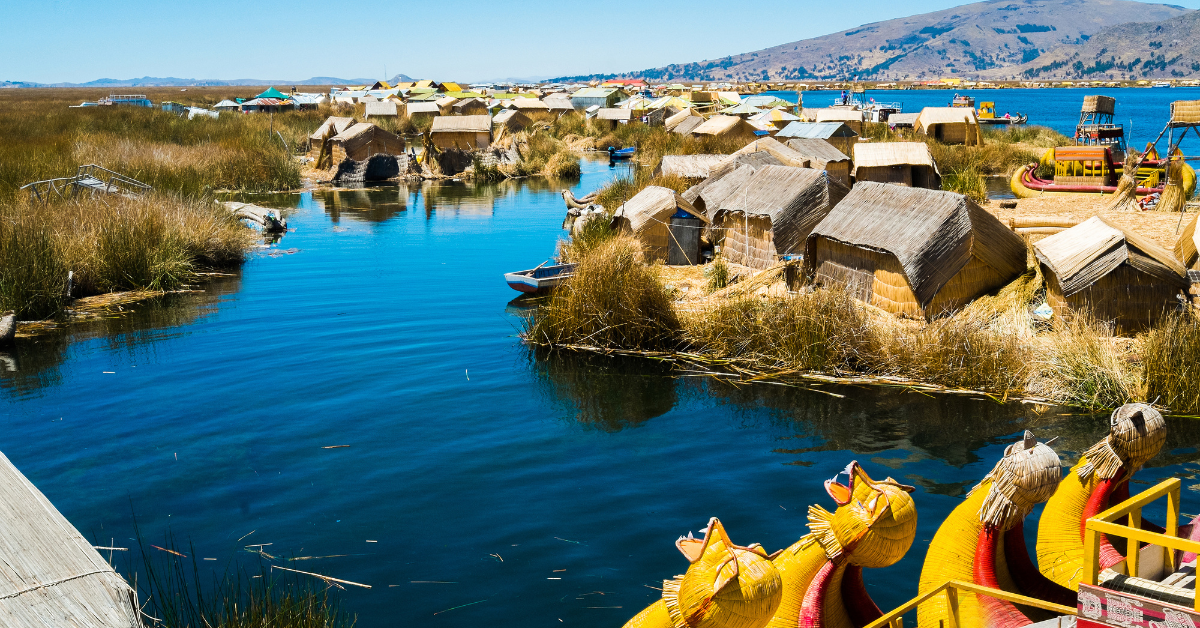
(614, 301)
(1172, 357)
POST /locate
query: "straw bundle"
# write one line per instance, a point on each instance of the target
(1185, 111)
(1099, 104)
(727, 586)
(1173, 197)
(1188, 246)
(1125, 198)
(1136, 433)
(1025, 477)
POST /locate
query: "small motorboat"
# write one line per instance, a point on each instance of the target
(615, 154)
(539, 279)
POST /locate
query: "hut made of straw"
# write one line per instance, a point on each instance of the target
(773, 212)
(903, 120)
(822, 156)
(852, 118)
(733, 162)
(332, 126)
(912, 251)
(534, 108)
(687, 125)
(381, 109)
(726, 126)
(773, 147)
(558, 103)
(423, 109)
(511, 120)
(676, 119)
(464, 132)
(610, 117)
(446, 104)
(648, 215)
(364, 139)
(52, 575)
(707, 195)
(470, 107)
(902, 163)
(837, 134)
(1099, 104)
(1115, 275)
(950, 125)
(690, 166)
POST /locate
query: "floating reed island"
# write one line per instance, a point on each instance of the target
(785, 258)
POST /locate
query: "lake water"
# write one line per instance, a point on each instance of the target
(467, 474)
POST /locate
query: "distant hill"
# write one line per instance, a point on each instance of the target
(1156, 50)
(154, 81)
(970, 40)
(399, 78)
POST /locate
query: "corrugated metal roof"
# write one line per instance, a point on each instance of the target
(816, 130)
(594, 92)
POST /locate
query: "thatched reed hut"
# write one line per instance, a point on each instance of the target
(687, 125)
(53, 576)
(446, 104)
(423, 109)
(911, 251)
(901, 163)
(950, 125)
(776, 149)
(511, 121)
(726, 126)
(381, 109)
(838, 135)
(1115, 274)
(332, 126)
(903, 120)
(679, 117)
(610, 117)
(463, 132)
(822, 156)
(558, 103)
(755, 160)
(707, 195)
(772, 213)
(533, 108)
(690, 166)
(363, 140)
(852, 118)
(648, 217)
(470, 107)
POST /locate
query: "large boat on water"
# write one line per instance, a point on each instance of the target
(872, 111)
(1095, 163)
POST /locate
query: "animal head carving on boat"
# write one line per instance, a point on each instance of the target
(1025, 477)
(874, 524)
(727, 585)
(1136, 433)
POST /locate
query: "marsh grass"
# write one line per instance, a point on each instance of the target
(614, 300)
(176, 598)
(968, 182)
(1086, 368)
(595, 232)
(1171, 354)
(157, 242)
(716, 274)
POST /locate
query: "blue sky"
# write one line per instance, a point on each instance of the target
(469, 40)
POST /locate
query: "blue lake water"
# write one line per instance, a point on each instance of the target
(530, 489)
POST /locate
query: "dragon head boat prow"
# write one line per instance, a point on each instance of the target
(875, 522)
(725, 586)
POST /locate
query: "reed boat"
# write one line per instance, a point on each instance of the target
(615, 154)
(1092, 170)
(539, 279)
(987, 111)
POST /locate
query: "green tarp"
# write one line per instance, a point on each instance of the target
(272, 93)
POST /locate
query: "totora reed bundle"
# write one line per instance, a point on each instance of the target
(1125, 198)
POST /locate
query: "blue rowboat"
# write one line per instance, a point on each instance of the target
(624, 153)
(539, 279)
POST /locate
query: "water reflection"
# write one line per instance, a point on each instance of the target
(605, 393)
(33, 364)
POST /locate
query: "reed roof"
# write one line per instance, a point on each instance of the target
(930, 116)
(837, 115)
(903, 119)
(559, 102)
(773, 147)
(382, 108)
(50, 575)
(673, 121)
(615, 114)
(691, 166)
(719, 125)
(654, 204)
(531, 104)
(422, 107)
(1185, 112)
(337, 124)
(462, 124)
(817, 152)
(933, 234)
(795, 199)
(714, 190)
(687, 125)
(1186, 248)
(354, 131)
(1082, 255)
(876, 155)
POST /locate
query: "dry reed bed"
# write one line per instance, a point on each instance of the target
(617, 304)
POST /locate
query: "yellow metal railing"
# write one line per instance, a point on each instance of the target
(1103, 523)
(895, 619)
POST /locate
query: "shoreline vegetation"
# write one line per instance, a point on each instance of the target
(756, 330)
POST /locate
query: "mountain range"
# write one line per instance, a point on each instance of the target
(1000, 39)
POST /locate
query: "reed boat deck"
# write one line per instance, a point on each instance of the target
(50, 575)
